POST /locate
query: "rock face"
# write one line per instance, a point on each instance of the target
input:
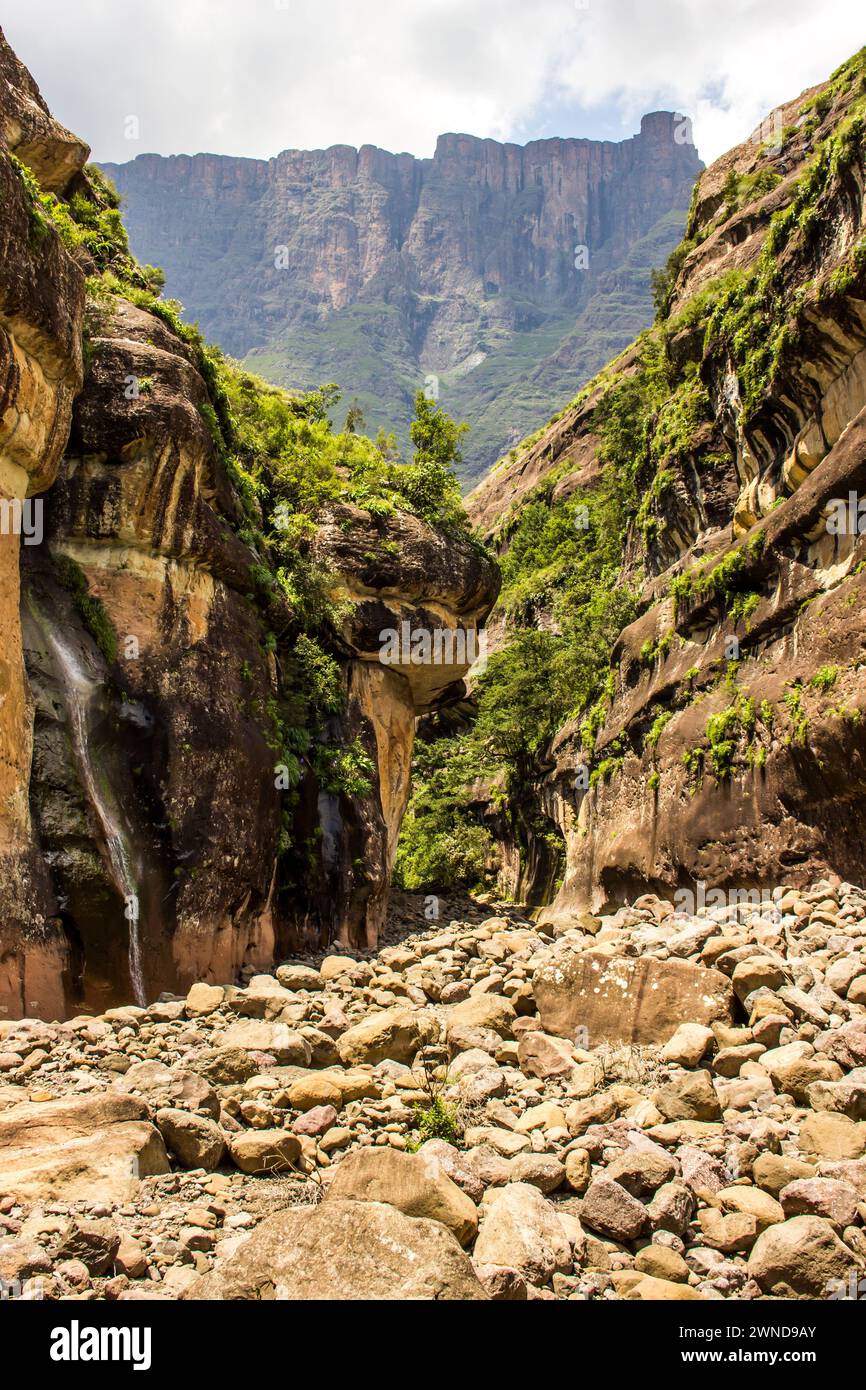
(489, 270)
(146, 838)
(41, 316)
(727, 748)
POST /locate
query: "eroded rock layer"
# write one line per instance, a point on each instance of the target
(158, 825)
(727, 744)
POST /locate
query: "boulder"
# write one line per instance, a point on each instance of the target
(486, 1011)
(521, 1230)
(204, 999)
(825, 1197)
(72, 1147)
(259, 1035)
(687, 1046)
(828, 1136)
(170, 1087)
(396, 1034)
(299, 977)
(344, 1252)
(264, 1150)
(539, 1054)
(626, 999)
(195, 1140)
(417, 1184)
(612, 1211)
(800, 1258)
(689, 1096)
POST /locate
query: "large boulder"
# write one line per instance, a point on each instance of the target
(344, 1252)
(394, 1034)
(198, 1142)
(522, 1231)
(626, 999)
(487, 1011)
(259, 1151)
(74, 1147)
(258, 1035)
(416, 1184)
(800, 1258)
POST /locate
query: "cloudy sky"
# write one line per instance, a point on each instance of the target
(253, 77)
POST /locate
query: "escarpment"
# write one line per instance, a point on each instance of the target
(498, 273)
(723, 740)
(204, 753)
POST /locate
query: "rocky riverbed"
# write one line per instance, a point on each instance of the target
(646, 1105)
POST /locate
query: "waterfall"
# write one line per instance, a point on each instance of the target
(81, 690)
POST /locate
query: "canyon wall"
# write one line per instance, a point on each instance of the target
(727, 744)
(151, 833)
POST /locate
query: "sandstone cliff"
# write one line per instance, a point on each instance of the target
(724, 742)
(205, 760)
(500, 273)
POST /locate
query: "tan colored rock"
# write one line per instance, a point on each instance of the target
(417, 1184)
(301, 977)
(755, 1202)
(258, 1035)
(830, 1136)
(490, 1011)
(540, 1055)
(543, 1171)
(626, 999)
(687, 1046)
(344, 1252)
(314, 1089)
(796, 1066)
(660, 1262)
(688, 1096)
(204, 999)
(265, 1150)
(801, 1258)
(772, 1171)
(543, 1116)
(395, 1033)
(578, 1170)
(197, 1141)
(757, 972)
(595, 1110)
(521, 1230)
(729, 1232)
(70, 1148)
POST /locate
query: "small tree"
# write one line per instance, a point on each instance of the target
(429, 483)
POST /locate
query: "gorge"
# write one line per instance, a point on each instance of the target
(600, 724)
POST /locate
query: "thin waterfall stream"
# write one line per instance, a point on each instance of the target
(81, 690)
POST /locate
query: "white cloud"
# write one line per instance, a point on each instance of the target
(253, 77)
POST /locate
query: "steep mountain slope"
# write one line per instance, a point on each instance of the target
(496, 274)
(679, 693)
(205, 759)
